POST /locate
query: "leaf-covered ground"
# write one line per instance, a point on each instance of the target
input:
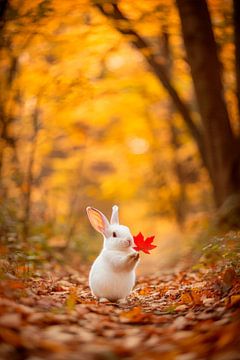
(184, 315)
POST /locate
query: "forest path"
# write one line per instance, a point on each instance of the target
(183, 315)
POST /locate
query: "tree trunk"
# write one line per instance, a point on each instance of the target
(236, 21)
(180, 203)
(3, 9)
(222, 148)
(27, 193)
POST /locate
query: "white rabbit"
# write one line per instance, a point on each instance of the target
(112, 275)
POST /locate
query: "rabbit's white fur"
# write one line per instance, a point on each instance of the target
(112, 275)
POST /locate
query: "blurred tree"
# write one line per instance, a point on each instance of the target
(4, 121)
(3, 9)
(236, 18)
(218, 146)
(29, 180)
(222, 146)
(85, 125)
(123, 25)
(180, 201)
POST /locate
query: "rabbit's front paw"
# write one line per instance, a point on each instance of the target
(133, 257)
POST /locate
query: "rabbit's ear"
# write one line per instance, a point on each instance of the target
(98, 220)
(114, 217)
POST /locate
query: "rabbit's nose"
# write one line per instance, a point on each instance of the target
(129, 242)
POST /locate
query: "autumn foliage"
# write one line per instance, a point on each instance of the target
(128, 103)
(177, 314)
(85, 120)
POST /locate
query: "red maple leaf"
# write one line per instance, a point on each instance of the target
(144, 245)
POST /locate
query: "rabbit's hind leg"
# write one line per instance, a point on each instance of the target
(103, 300)
(122, 301)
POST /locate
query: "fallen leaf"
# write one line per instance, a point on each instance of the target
(11, 320)
(180, 323)
(134, 315)
(182, 307)
(186, 298)
(10, 337)
(228, 277)
(234, 300)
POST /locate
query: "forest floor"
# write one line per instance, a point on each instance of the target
(182, 315)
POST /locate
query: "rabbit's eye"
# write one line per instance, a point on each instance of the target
(114, 234)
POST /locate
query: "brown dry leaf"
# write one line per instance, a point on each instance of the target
(11, 320)
(180, 323)
(134, 315)
(4, 264)
(208, 301)
(58, 333)
(228, 277)
(186, 298)
(10, 337)
(227, 337)
(151, 324)
(235, 300)
(133, 341)
(144, 291)
(47, 318)
(182, 307)
(52, 346)
(11, 284)
(196, 296)
(71, 299)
